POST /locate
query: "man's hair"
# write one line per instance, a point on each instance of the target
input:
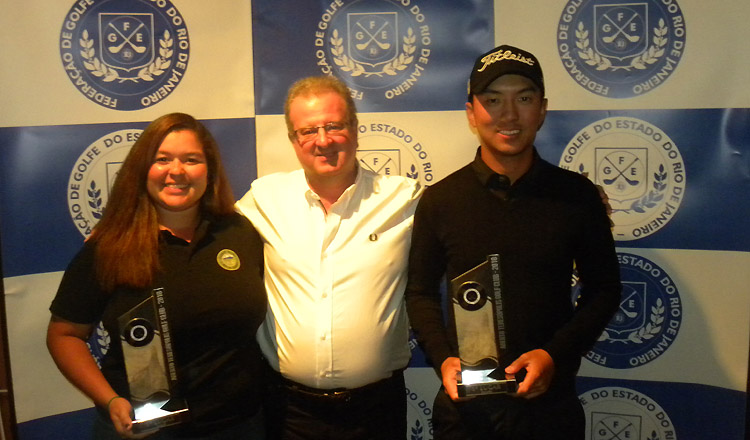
(315, 86)
(127, 236)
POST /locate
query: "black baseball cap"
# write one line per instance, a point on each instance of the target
(504, 60)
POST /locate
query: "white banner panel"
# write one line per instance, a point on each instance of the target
(39, 388)
(210, 75)
(705, 43)
(710, 323)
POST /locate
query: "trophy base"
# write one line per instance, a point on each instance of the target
(479, 383)
(151, 420)
(506, 386)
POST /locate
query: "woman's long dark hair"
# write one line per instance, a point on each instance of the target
(127, 236)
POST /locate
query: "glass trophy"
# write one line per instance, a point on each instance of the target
(150, 365)
(478, 311)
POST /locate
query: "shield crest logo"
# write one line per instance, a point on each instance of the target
(126, 40)
(621, 30)
(623, 172)
(373, 37)
(631, 315)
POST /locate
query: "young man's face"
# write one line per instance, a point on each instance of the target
(507, 115)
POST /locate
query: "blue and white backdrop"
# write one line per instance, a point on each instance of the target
(649, 97)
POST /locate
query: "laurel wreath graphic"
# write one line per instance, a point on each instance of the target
(102, 339)
(416, 431)
(651, 199)
(413, 173)
(648, 331)
(95, 200)
(401, 62)
(93, 354)
(655, 195)
(108, 74)
(650, 56)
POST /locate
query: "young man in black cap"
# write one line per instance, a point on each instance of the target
(541, 220)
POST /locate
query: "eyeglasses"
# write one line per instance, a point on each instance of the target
(306, 134)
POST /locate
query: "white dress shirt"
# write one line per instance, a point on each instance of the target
(335, 282)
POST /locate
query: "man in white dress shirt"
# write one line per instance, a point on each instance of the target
(336, 240)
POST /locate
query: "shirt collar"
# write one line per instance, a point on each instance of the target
(313, 199)
(494, 181)
(200, 232)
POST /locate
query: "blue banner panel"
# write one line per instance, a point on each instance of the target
(677, 179)
(69, 426)
(394, 55)
(55, 181)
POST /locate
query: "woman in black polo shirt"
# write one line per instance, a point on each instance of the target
(169, 234)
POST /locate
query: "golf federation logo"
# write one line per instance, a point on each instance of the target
(124, 55)
(622, 49)
(614, 413)
(228, 259)
(93, 175)
(389, 150)
(647, 321)
(638, 166)
(376, 46)
(418, 414)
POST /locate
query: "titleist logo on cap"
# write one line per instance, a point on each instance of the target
(504, 55)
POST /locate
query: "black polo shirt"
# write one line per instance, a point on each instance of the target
(215, 301)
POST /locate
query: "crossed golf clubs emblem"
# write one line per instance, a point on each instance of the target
(616, 435)
(621, 173)
(126, 40)
(373, 38)
(620, 30)
(629, 313)
(374, 167)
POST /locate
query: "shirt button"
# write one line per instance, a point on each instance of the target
(325, 295)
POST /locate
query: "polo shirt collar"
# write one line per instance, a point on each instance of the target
(499, 182)
(200, 232)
